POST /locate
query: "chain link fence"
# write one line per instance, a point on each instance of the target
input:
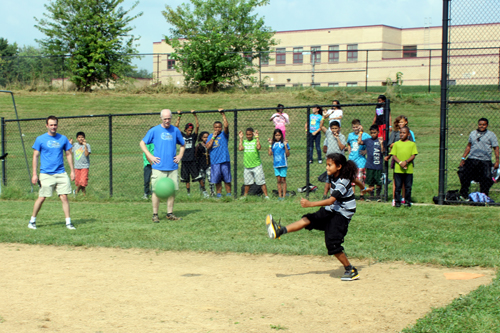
(473, 92)
(116, 161)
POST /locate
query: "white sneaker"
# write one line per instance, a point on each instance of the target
(320, 161)
(393, 202)
(70, 226)
(205, 194)
(32, 225)
(266, 197)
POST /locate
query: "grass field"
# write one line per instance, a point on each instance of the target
(427, 234)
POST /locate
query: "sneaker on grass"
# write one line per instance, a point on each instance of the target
(273, 229)
(171, 216)
(351, 274)
(155, 218)
(32, 225)
(70, 226)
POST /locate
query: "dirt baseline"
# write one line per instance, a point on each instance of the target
(65, 289)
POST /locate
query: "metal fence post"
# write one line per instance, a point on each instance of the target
(110, 129)
(430, 59)
(307, 150)
(444, 105)
(4, 175)
(366, 73)
(235, 152)
(387, 115)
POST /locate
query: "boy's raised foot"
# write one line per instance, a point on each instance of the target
(273, 229)
(350, 274)
(32, 225)
(70, 226)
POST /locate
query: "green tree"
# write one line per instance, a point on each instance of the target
(95, 34)
(216, 42)
(7, 58)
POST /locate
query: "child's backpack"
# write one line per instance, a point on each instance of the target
(254, 190)
(480, 197)
(312, 188)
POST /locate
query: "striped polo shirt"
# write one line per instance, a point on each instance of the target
(345, 203)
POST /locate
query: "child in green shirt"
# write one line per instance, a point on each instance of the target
(253, 173)
(404, 152)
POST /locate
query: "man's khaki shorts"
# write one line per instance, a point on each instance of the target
(59, 181)
(157, 174)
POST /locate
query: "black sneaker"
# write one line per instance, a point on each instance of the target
(172, 217)
(350, 275)
(273, 229)
(397, 204)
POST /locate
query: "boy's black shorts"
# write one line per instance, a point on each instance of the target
(333, 224)
(189, 169)
(373, 177)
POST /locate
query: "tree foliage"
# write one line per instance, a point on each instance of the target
(96, 35)
(7, 54)
(216, 41)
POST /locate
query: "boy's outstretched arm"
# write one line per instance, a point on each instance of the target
(224, 121)
(322, 203)
(256, 134)
(178, 121)
(196, 124)
(240, 146)
(322, 126)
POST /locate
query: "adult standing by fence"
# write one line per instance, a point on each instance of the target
(50, 148)
(165, 161)
(478, 165)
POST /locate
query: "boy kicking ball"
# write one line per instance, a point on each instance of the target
(334, 215)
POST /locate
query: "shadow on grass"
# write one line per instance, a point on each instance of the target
(75, 222)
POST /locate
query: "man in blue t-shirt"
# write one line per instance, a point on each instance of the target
(165, 161)
(51, 148)
(219, 156)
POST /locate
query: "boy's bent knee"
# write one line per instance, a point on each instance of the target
(335, 249)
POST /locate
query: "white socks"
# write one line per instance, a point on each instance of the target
(33, 219)
(68, 220)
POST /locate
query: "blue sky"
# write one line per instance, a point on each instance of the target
(17, 24)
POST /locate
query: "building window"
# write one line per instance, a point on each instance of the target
(333, 53)
(280, 86)
(264, 59)
(170, 64)
(315, 54)
(315, 84)
(351, 84)
(280, 56)
(410, 51)
(352, 52)
(333, 84)
(298, 57)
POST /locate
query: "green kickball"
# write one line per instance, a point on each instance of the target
(164, 188)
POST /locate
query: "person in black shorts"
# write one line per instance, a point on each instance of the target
(334, 215)
(189, 167)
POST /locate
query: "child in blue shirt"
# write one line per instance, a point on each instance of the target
(356, 151)
(280, 150)
(314, 135)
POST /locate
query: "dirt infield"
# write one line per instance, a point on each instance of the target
(63, 289)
